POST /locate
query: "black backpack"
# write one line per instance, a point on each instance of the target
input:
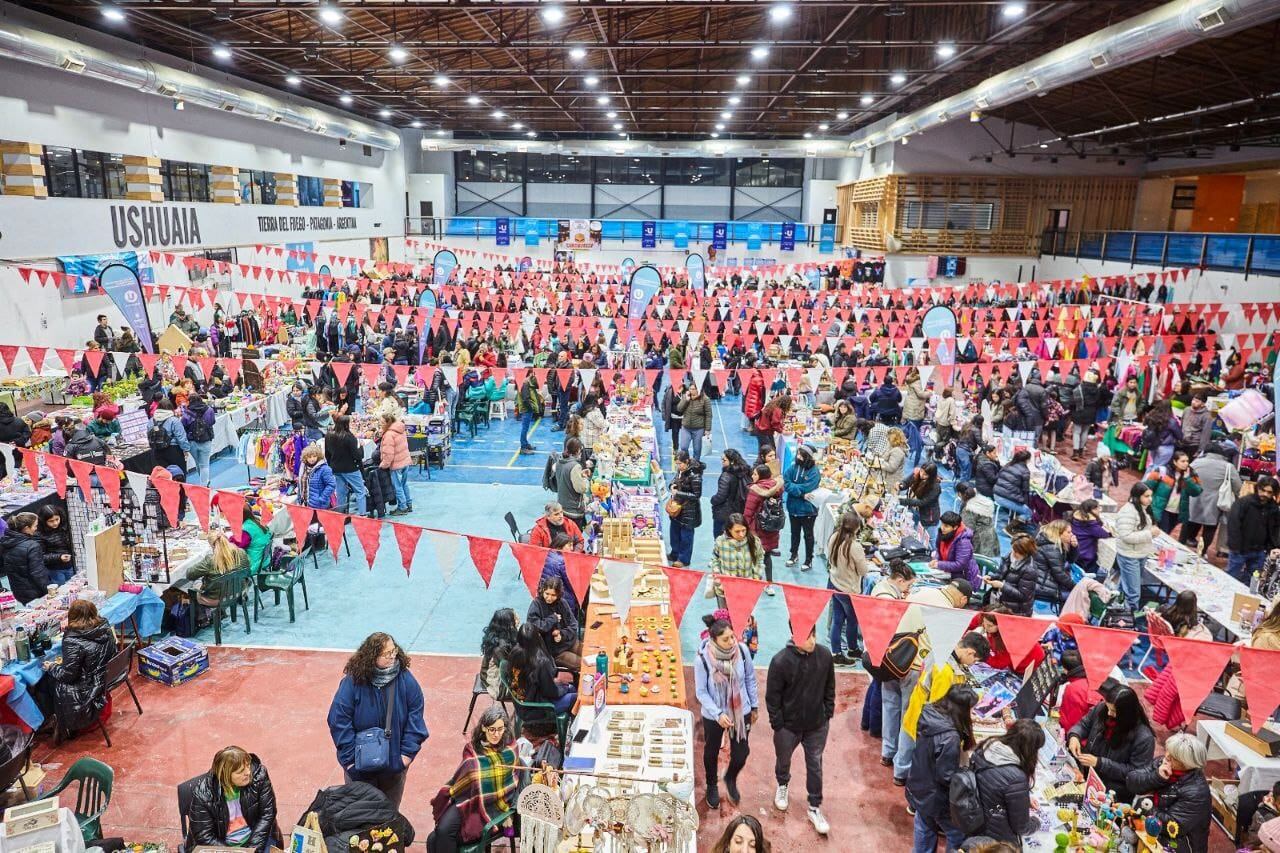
(1151, 438)
(898, 660)
(199, 431)
(966, 803)
(772, 517)
(158, 437)
(549, 472)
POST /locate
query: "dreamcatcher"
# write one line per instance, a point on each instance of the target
(542, 818)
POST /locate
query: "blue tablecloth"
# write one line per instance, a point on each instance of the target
(146, 606)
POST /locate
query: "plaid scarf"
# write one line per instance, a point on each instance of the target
(725, 669)
(482, 787)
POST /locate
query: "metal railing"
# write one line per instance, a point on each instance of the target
(1250, 254)
(618, 232)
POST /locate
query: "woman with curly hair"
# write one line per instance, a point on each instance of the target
(377, 687)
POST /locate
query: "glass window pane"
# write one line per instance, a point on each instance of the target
(199, 173)
(90, 166)
(113, 176)
(267, 184)
(60, 172)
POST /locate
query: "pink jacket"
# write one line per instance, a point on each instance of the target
(395, 448)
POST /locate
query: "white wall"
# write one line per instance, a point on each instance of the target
(819, 195)
(903, 270)
(433, 187)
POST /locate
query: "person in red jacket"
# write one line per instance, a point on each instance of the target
(753, 398)
(554, 521)
(1000, 658)
(1077, 696)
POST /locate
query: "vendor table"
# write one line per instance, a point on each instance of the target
(144, 608)
(1257, 773)
(15, 499)
(607, 635)
(1215, 589)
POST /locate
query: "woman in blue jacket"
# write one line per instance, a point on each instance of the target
(377, 671)
(725, 683)
(316, 481)
(797, 481)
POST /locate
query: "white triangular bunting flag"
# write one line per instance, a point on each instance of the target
(446, 546)
(815, 376)
(945, 626)
(1024, 369)
(588, 375)
(121, 360)
(621, 577)
(138, 482)
(1012, 312)
(926, 371)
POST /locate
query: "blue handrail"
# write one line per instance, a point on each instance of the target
(629, 230)
(1251, 254)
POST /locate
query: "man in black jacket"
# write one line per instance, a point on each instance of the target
(987, 471)
(800, 696)
(1253, 529)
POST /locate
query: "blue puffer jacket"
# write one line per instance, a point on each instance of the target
(798, 482)
(357, 707)
(321, 486)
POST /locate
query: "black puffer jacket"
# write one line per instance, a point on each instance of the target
(1019, 590)
(687, 489)
(985, 474)
(1014, 483)
(730, 496)
(353, 807)
(1086, 399)
(1005, 792)
(937, 757)
(1185, 800)
(13, 430)
(1053, 572)
(22, 557)
(1115, 760)
(80, 679)
(56, 542)
(86, 446)
(209, 816)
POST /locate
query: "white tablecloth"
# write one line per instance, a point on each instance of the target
(1256, 772)
(270, 411)
(1215, 589)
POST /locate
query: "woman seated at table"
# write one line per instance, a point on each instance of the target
(22, 558)
(223, 558)
(79, 686)
(1000, 658)
(234, 805)
(55, 536)
(551, 614)
(1113, 739)
(1180, 792)
(1183, 616)
(255, 539)
(484, 785)
(533, 675)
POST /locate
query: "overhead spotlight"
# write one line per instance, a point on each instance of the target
(780, 12)
(602, 100)
(578, 53)
(473, 100)
(945, 50)
(617, 125)
(111, 13)
(611, 114)
(384, 113)
(532, 134)
(396, 53)
(415, 123)
(719, 127)
(824, 126)
(1044, 145)
(715, 136)
(517, 125)
(734, 101)
(498, 114)
(179, 104)
(726, 115)
(222, 51)
(759, 52)
(808, 135)
(898, 78)
(331, 15)
(591, 80)
(440, 131)
(440, 80)
(293, 80)
(553, 14)
(842, 115)
(346, 98)
(975, 115)
(743, 79)
(1014, 10)
(866, 100)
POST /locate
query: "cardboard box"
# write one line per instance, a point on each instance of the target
(1222, 807)
(173, 661)
(35, 780)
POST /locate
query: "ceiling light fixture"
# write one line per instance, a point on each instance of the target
(440, 131)
(553, 15)
(759, 52)
(842, 115)
(330, 15)
(415, 123)
(222, 51)
(715, 136)
(384, 113)
(734, 101)
(611, 114)
(440, 80)
(744, 79)
(111, 13)
(780, 12)
(946, 50)
(808, 135)
(719, 127)
(532, 134)
(824, 126)
(1014, 10)
(866, 100)
(602, 100)
(498, 114)
(1044, 145)
(726, 115)
(517, 126)
(396, 53)
(591, 81)
(898, 78)
(617, 125)
(473, 100)
(346, 98)
(578, 53)
(293, 80)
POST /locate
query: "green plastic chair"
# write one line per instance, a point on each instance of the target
(234, 589)
(540, 709)
(481, 845)
(988, 566)
(279, 582)
(93, 794)
(497, 392)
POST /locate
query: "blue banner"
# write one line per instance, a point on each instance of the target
(531, 233)
(628, 264)
(645, 282)
(788, 241)
(680, 236)
(427, 299)
(444, 263)
(755, 238)
(827, 238)
(720, 235)
(939, 327)
(648, 235)
(298, 257)
(814, 277)
(122, 285)
(502, 231)
(697, 269)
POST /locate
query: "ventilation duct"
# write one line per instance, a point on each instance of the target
(38, 48)
(1161, 31)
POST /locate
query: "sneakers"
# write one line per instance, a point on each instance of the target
(806, 567)
(819, 822)
(771, 589)
(791, 563)
(525, 451)
(713, 797)
(911, 810)
(847, 658)
(780, 798)
(731, 789)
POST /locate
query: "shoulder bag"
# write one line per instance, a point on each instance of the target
(373, 746)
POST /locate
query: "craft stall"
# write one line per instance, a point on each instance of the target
(627, 487)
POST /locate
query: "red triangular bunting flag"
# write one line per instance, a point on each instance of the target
(231, 505)
(683, 583)
(1101, 649)
(31, 459)
(94, 358)
(58, 470)
(342, 370)
(580, 567)
(1258, 668)
(740, 596)
(110, 479)
(531, 559)
(804, 605)
(334, 524)
(1197, 665)
(369, 532)
(37, 355)
(407, 537)
(199, 497)
(8, 352)
(302, 517)
(169, 490)
(1020, 634)
(878, 620)
(484, 554)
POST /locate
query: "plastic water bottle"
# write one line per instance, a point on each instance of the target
(24, 645)
(602, 663)
(1254, 583)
